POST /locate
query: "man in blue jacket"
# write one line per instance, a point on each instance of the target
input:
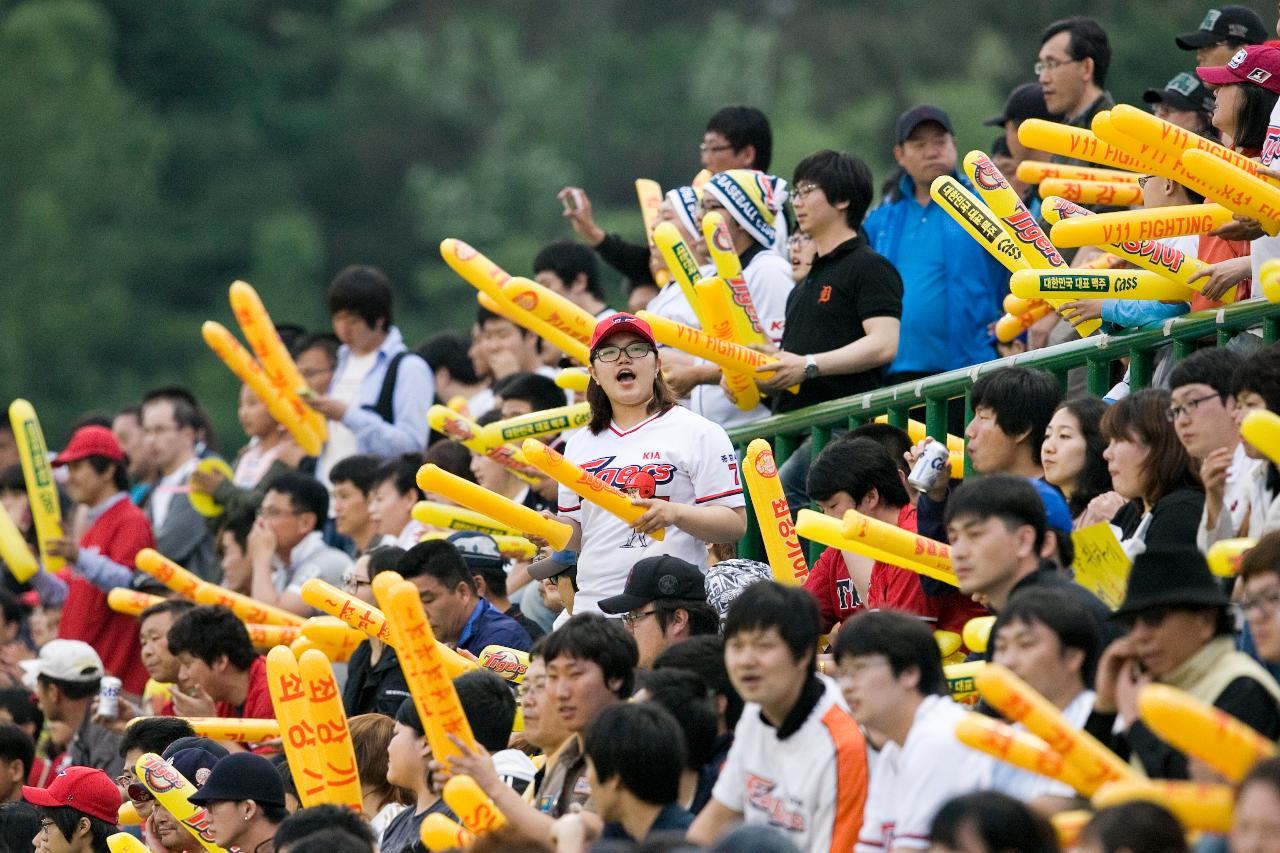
(952, 289)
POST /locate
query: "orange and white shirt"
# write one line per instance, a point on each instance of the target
(807, 778)
(911, 781)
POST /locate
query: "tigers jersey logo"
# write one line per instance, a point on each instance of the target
(783, 812)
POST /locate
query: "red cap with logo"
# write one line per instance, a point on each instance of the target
(92, 440)
(86, 789)
(1253, 63)
(621, 322)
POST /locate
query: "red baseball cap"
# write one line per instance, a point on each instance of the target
(92, 440)
(621, 322)
(1253, 63)
(86, 789)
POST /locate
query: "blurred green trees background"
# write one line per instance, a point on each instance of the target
(155, 150)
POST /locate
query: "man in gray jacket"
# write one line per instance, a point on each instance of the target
(171, 423)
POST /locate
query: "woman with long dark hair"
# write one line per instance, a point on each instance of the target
(678, 465)
(1072, 453)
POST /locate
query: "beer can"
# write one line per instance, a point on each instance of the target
(934, 464)
(109, 697)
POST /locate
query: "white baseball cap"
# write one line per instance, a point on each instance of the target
(64, 660)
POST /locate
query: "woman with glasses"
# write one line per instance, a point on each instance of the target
(1152, 470)
(678, 465)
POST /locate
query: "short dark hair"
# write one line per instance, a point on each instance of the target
(119, 470)
(323, 819)
(489, 706)
(842, 177)
(237, 521)
(742, 126)
(623, 741)
(407, 715)
(331, 840)
(484, 315)
(791, 610)
(1000, 821)
(1212, 366)
(704, 657)
(689, 700)
(856, 466)
(1144, 417)
(19, 823)
(452, 351)
(1138, 827)
(71, 689)
(154, 734)
(21, 707)
(358, 470)
(17, 745)
(894, 440)
(402, 471)
(67, 818)
(210, 631)
(438, 559)
(364, 291)
(1263, 558)
(1088, 41)
(452, 456)
(306, 494)
(385, 558)
(1023, 400)
(540, 392)
(568, 260)
(903, 639)
(1053, 608)
(604, 642)
(1094, 479)
(1259, 372)
(187, 413)
(325, 341)
(703, 618)
(1266, 772)
(1008, 497)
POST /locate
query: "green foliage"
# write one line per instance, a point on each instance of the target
(156, 150)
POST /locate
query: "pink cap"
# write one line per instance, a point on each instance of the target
(1253, 63)
(621, 322)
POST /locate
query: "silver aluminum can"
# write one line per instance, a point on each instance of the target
(934, 464)
(109, 697)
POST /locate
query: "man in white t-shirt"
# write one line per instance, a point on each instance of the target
(1044, 639)
(891, 676)
(380, 392)
(798, 761)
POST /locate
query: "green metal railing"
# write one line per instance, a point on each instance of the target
(1096, 354)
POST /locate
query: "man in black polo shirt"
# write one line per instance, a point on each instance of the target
(843, 319)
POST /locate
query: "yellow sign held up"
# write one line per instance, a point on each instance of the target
(1101, 564)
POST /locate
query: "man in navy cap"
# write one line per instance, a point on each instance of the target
(245, 800)
(663, 603)
(1223, 31)
(1186, 102)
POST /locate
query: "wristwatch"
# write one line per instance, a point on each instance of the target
(810, 367)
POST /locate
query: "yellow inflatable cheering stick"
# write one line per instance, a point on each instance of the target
(297, 726)
(727, 354)
(747, 325)
(1202, 731)
(680, 260)
(333, 737)
(1110, 193)
(773, 515)
(1098, 284)
(550, 307)
(586, 485)
(436, 514)
(649, 194)
(536, 424)
(432, 478)
(186, 584)
(901, 545)
(172, 791)
(472, 805)
(1016, 747)
(714, 299)
(467, 432)
(42, 494)
(830, 532)
(1035, 171)
(14, 551)
(1261, 429)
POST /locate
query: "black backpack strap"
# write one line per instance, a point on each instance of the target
(385, 407)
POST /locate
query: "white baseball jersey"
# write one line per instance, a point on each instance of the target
(810, 784)
(909, 783)
(676, 456)
(1265, 248)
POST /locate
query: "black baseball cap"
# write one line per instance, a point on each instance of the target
(1226, 22)
(479, 551)
(242, 776)
(917, 116)
(1183, 92)
(1024, 102)
(658, 577)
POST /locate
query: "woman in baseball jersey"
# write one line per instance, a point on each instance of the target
(678, 465)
